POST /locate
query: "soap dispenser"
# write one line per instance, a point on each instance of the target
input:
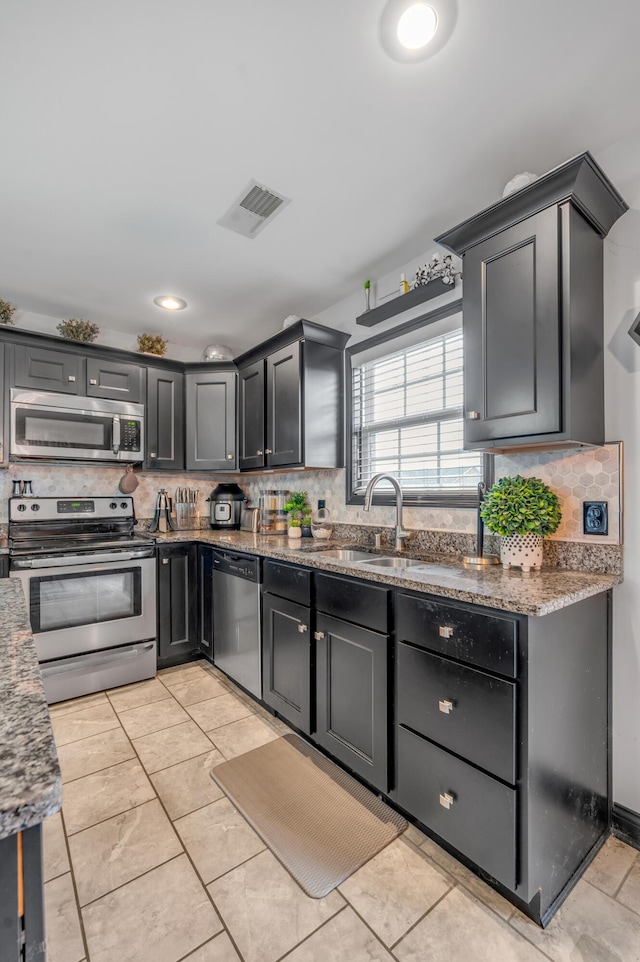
(321, 524)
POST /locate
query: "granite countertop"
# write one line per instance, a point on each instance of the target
(536, 593)
(30, 780)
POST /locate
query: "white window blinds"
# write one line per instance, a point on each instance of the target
(407, 420)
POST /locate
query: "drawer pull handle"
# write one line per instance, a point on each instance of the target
(446, 800)
(445, 707)
(302, 629)
(165, 561)
(445, 631)
(473, 415)
(92, 380)
(71, 377)
(318, 635)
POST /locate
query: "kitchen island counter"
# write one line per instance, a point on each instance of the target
(30, 780)
(536, 593)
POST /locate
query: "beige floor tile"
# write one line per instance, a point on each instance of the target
(242, 736)
(152, 718)
(77, 704)
(265, 911)
(134, 696)
(196, 688)
(611, 864)
(629, 894)
(394, 889)
(219, 949)
(62, 925)
(83, 723)
(216, 712)
(344, 938)
(55, 857)
(172, 676)
(95, 797)
(185, 787)
(590, 926)
(217, 838)
(461, 929)
(171, 745)
(120, 849)
(464, 876)
(89, 755)
(160, 917)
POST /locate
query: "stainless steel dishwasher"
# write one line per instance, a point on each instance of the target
(236, 618)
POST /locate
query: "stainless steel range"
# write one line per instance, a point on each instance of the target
(90, 585)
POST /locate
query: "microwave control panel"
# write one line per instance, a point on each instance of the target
(130, 432)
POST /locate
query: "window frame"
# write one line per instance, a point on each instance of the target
(426, 499)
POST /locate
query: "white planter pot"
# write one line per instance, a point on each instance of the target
(294, 533)
(521, 551)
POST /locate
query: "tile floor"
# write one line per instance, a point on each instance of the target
(149, 862)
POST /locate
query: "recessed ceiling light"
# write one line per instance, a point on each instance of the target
(169, 302)
(417, 26)
(411, 32)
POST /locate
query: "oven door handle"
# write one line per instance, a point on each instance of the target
(115, 434)
(87, 661)
(70, 561)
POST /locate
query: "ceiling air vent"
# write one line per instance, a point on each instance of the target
(255, 206)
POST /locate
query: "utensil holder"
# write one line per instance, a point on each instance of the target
(187, 515)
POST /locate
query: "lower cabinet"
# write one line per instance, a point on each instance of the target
(352, 697)
(286, 659)
(205, 601)
(177, 603)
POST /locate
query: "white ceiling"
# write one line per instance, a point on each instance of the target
(128, 128)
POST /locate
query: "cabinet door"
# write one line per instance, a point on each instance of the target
(286, 660)
(284, 407)
(205, 599)
(211, 421)
(177, 603)
(512, 332)
(114, 380)
(45, 370)
(251, 416)
(352, 697)
(165, 421)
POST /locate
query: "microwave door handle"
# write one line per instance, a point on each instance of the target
(115, 434)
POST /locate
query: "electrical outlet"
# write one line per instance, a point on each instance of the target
(595, 517)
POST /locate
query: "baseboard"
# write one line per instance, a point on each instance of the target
(625, 824)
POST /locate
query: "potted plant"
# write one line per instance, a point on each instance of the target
(522, 511)
(77, 329)
(152, 344)
(298, 508)
(7, 311)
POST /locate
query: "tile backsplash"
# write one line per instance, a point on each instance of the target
(590, 474)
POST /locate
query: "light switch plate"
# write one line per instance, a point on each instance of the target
(595, 517)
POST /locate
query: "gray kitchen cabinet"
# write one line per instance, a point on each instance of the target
(286, 659)
(284, 407)
(205, 600)
(165, 420)
(533, 311)
(177, 603)
(115, 380)
(42, 369)
(211, 420)
(251, 423)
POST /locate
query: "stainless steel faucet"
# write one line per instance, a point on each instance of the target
(401, 534)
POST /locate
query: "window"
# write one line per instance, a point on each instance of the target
(407, 421)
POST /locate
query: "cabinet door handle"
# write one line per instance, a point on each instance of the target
(165, 561)
(473, 415)
(445, 631)
(152, 454)
(302, 629)
(268, 451)
(229, 457)
(92, 380)
(446, 799)
(445, 706)
(258, 453)
(318, 635)
(71, 377)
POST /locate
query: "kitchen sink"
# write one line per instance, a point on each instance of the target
(391, 562)
(343, 554)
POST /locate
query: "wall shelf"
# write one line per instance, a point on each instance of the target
(403, 302)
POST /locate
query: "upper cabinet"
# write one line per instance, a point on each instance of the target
(533, 311)
(45, 370)
(165, 420)
(114, 380)
(292, 400)
(211, 419)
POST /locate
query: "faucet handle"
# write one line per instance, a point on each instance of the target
(401, 534)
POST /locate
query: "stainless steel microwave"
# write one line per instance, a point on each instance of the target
(67, 427)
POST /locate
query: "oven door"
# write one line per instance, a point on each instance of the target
(89, 606)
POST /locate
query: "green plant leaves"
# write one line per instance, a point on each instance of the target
(517, 505)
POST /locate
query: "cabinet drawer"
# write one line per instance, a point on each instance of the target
(481, 819)
(463, 709)
(357, 601)
(487, 641)
(287, 581)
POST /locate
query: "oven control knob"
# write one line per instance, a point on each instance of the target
(22, 507)
(35, 507)
(113, 506)
(123, 504)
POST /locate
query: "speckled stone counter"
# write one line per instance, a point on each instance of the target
(537, 593)
(30, 781)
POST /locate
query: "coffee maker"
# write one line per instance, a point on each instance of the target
(225, 510)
